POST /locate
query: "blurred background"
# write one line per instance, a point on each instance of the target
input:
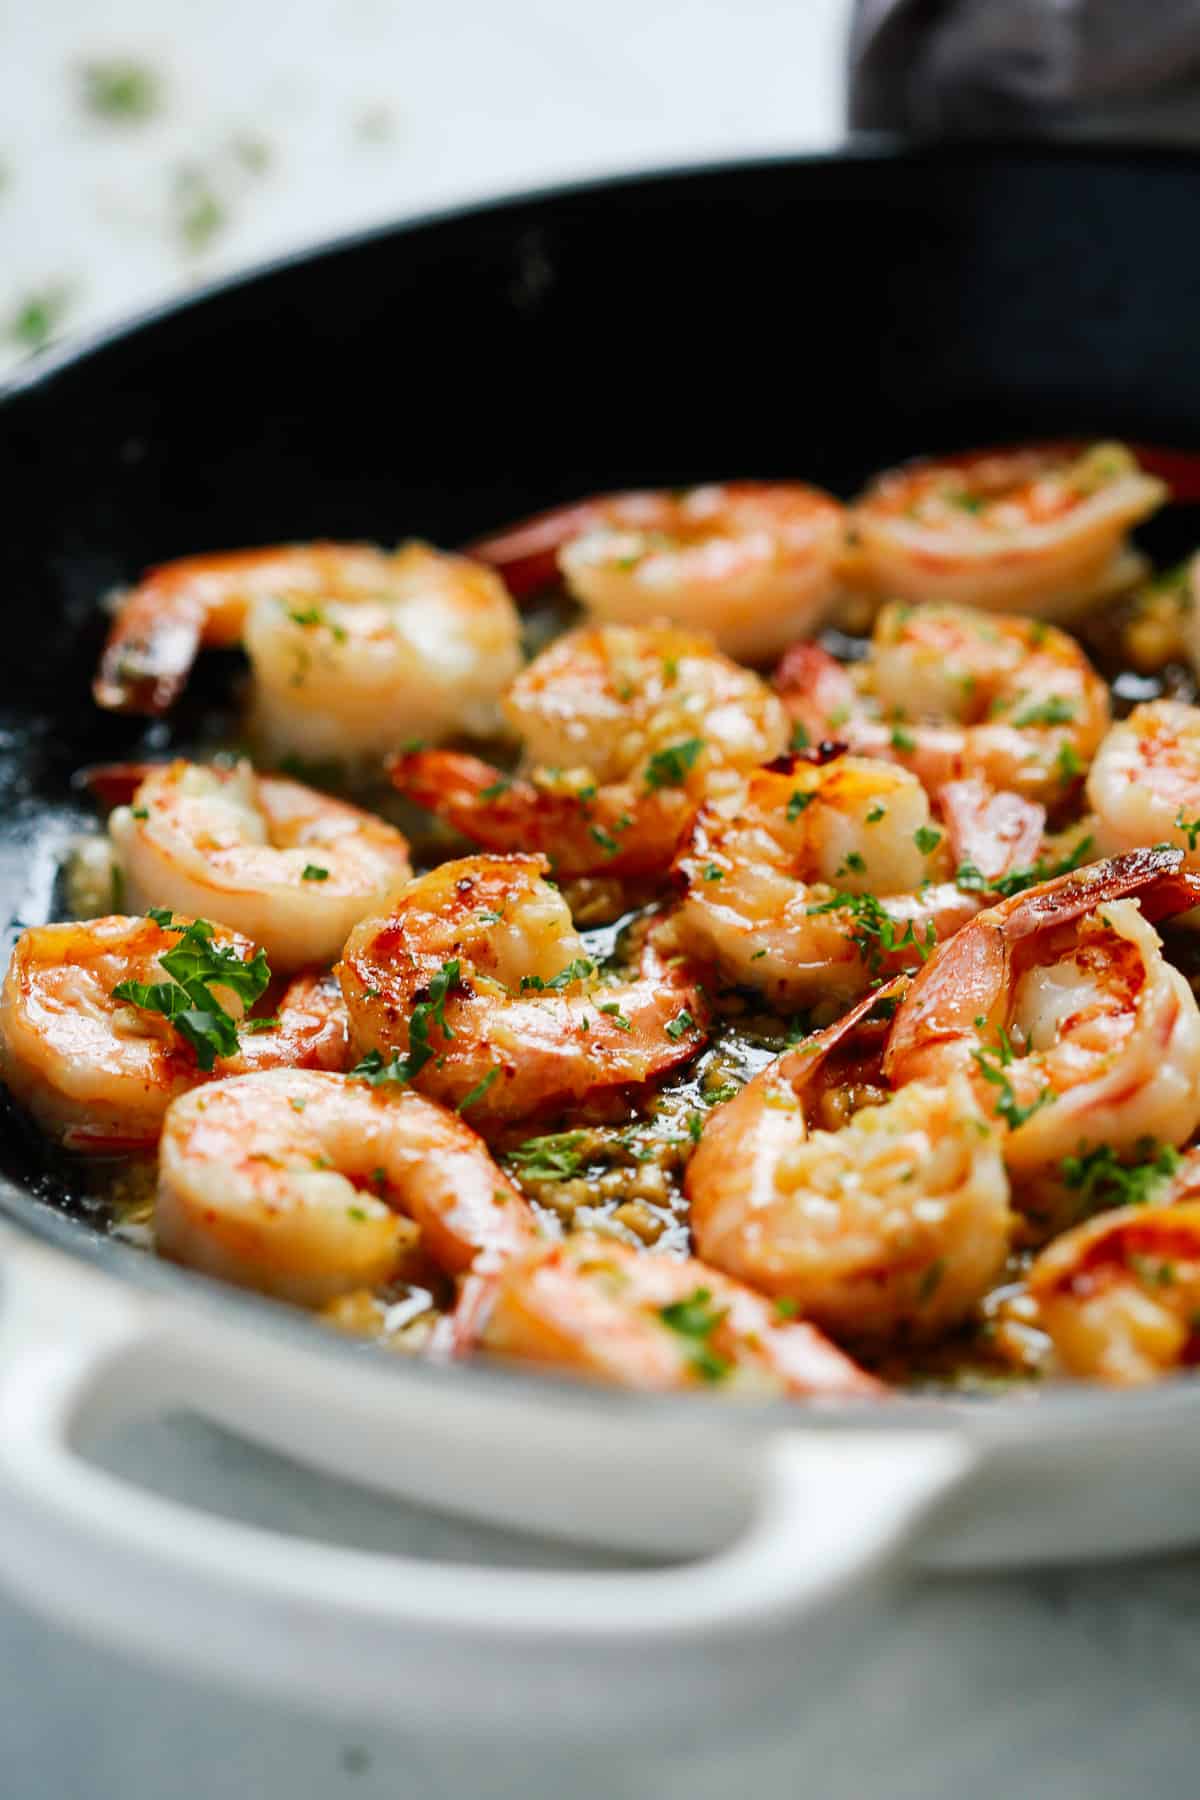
(145, 147)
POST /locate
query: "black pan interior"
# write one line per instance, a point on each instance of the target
(820, 317)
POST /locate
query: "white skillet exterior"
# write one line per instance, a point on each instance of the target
(798, 1517)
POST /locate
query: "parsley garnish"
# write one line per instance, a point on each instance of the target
(1017, 880)
(554, 1158)
(797, 804)
(613, 1011)
(1189, 826)
(876, 813)
(901, 739)
(314, 872)
(926, 839)
(1101, 1180)
(683, 1021)
(799, 739)
(695, 1319)
(1068, 763)
(375, 1071)
(875, 931)
(119, 88)
(992, 1062)
(855, 864)
(712, 873)
(669, 767)
(1052, 711)
(498, 787)
(577, 970)
(478, 1091)
(194, 964)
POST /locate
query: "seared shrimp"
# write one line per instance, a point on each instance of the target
(818, 879)
(753, 562)
(1144, 785)
(1040, 530)
(97, 1071)
(478, 989)
(303, 1185)
(950, 693)
(286, 865)
(626, 729)
(894, 1225)
(598, 1309)
(1119, 1296)
(1058, 1008)
(353, 649)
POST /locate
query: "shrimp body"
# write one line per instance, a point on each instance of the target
(595, 1308)
(98, 1072)
(523, 1025)
(894, 1225)
(950, 693)
(1040, 530)
(353, 649)
(1119, 1296)
(287, 866)
(752, 562)
(625, 730)
(1059, 1009)
(817, 879)
(1144, 785)
(306, 1185)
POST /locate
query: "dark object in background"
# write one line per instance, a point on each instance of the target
(1093, 68)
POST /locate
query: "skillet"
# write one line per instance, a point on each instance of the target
(821, 317)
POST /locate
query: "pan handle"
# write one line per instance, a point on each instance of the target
(404, 1640)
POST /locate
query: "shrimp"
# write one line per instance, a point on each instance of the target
(894, 1225)
(817, 880)
(287, 866)
(98, 1072)
(1040, 530)
(302, 1185)
(1144, 785)
(599, 1309)
(1119, 1297)
(753, 562)
(483, 953)
(951, 693)
(626, 729)
(353, 649)
(1058, 1008)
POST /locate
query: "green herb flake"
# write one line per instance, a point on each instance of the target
(195, 965)
(314, 872)
(876, 813)
(712, 873)
(681, 1023)
(695, 1320)
(399, 1069)
(927, 839)
(1102, 1181)
(120, 89)
(799, 739)
(613, 1011)
(796, 805)
(498, 787)
(478, 1091)
(902, 739)
(992, 1061)
(1054, 710)
(669, 767)
(577, 970)
(557, 1157)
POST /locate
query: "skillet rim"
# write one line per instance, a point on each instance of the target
(1021, 1418)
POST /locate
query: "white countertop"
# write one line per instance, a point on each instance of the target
(286, 124)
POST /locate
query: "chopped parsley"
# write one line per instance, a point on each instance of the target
(669, 767)
(1068, 764)
(799, 739)
(478, 1091)
(373, 1070)
(498, 787)
(38, 317)
(1190, 827)
(314, 872)
(683, 1021)
(554, 1158)
(901, 739)
(712, 873)
(695, 1320)
(797, 804)
(195, 964)
(876, 813)
(118, 88)
(992, 1062)
(875, 931)
(577, 970)
(855, 864)
(1102, 1181)
(927, 839)
(1016, 881)
(613, 1011)
(1052, 711)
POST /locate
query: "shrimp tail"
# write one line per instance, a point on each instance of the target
(152, 644)
(113, 784)
(526, 556)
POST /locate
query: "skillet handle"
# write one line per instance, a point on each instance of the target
(407, 1641)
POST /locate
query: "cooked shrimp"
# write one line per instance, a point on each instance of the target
(1058, 1008)
(950, 693)
(596, 1308)
(99, 1072)
(1144, 785)
(302, 1185)
(286, 865)
(1038, 530)
(1119, 1296)
(753, 562)
(817, 879)
(625, 729)
(894, 1225)
(353, 649)
(478, 979)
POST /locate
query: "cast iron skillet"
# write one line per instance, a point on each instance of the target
(818, 317)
